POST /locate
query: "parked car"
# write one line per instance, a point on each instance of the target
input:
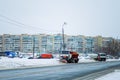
(10, 54)
(30, 57)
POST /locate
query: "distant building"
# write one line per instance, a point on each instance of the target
(76, 43)
(89, 44)
(46, 43)
(1, 43)
(11, 42)
(57, 43)
(41, 43)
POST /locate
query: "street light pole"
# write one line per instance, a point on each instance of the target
(63, 35)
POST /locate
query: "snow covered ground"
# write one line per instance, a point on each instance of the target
(13, 63)
(111, 76)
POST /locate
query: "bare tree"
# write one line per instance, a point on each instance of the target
(112, 48)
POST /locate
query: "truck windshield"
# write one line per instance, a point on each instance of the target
(65, 52)
(102, 54)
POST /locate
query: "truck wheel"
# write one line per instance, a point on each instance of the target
(69, 61)
(104, 59)
(76, 61)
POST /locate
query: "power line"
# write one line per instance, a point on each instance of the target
(16, 23)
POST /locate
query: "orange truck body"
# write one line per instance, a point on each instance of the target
(74, 54)
(46, 56)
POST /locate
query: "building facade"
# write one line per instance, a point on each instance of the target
(41, 43)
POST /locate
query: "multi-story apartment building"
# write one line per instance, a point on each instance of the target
(36, 43)
(81, 44)
(1, 43)
(89, 44)
(50, 43)
(46, 43)
(98, 43)
(11, 42)
(27, 43)
(57, 43)
(75, 43)
(30, 43)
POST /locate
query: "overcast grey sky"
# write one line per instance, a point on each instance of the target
(83, 17)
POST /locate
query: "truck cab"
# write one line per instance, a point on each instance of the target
(69, 56)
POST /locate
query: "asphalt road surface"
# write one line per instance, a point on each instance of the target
(62, 72)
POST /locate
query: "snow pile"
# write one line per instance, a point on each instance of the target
(10, 63)
(83, 59)
(111, 76)
(113, 59)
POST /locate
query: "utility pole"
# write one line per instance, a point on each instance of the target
(91, 45)
(33, 46)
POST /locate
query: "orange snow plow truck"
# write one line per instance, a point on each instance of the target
(69, 57)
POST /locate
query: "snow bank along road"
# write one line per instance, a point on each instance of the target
(61, 72)
(13, 63)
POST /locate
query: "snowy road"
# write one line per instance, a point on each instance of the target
(61, 72)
